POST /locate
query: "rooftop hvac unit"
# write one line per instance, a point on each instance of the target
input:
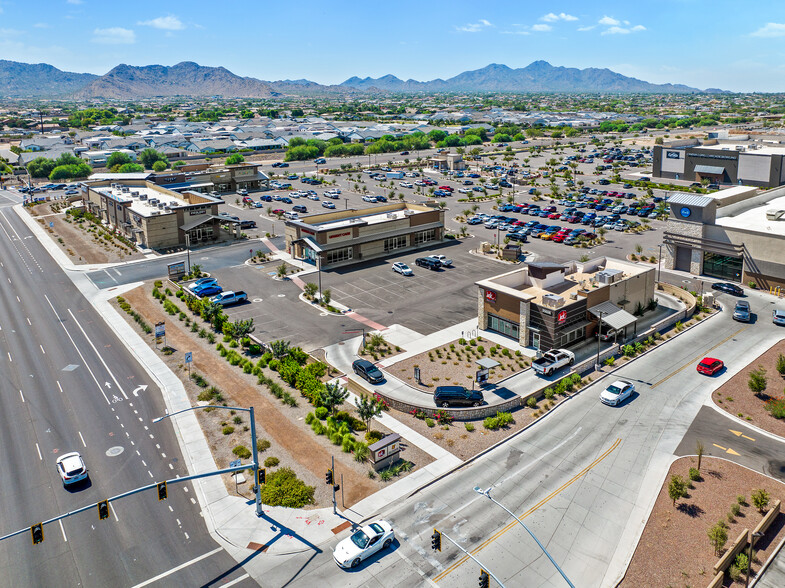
(167, 209)
(135, 194)
(124, 189)
(390, 215)
(153, 201)
(142, 196)
(160, 204)
(155, 213)
(408, 212)
(775, 215)
(552, 300)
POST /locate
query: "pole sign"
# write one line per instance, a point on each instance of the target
(236, 463)
(189, 357)
(482, 376)
(176, 270)
(160, 330)
(417, 375)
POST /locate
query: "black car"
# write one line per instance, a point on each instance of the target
(447, 396)
(247, 224)
(729, 288)
(365, 369)
(432, 264)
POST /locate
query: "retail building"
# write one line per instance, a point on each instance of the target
(552, 305)
(350, 236)
(737, 234)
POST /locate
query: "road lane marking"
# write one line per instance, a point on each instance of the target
(42, 349)
(82, 438)
(114, 512)
(233, 582)
(28, 321)
(38, 449)
(63, 530)
(9, 357)
(180, 567)
(22, 395)
(726, 449)
(740, 434)
(84, 361)
(58, 385)
(119, 387)
(693, 360)
(509, 526)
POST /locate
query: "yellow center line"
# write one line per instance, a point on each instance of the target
(509, 526)
(693, 360)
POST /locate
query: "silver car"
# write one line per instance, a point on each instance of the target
(742, 311)
(778, 317)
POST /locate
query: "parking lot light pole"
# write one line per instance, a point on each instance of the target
(753, 540)
(253, 440)
(487, 494)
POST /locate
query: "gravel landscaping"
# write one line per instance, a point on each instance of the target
(674, 549)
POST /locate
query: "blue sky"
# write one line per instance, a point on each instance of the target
(732, 45)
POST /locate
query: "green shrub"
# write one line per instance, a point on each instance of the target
(347, 444)
(309, 418)
(242, 452)
(760, 499)
(430, 422)
(741, 499)
(360, 451)
(318, 428)
(321, 413)
(504, 418)
(284, 488)
(531, 402)
(204, 396)
(695, 475)
(271, 462)
(735, 509)
(469, 427)
(373, 436)
(776, 407)
(262, 445)
(548, 393)
(491, 423)
(741, 561)
(238, 420)
(734, 572)
(228, 430)
(336, 438)
(385, 475)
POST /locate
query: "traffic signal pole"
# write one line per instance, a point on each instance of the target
(256, 466)
(335, 509)
(477, 561)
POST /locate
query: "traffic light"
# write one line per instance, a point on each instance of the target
(37, 533)
(103, 510)
(161, 490)
(328, 478)
(485, 579)
(260, 476)
(436, 540)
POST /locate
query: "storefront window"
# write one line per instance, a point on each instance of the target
(395, 243)
(503, 326)
(723, 267)
(425, 236)
(339, 255)
(571, 337)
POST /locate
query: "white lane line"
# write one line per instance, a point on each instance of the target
(186, 535)
(114, 512)
(151, 473)
(179, 524)
(38, 449)
(18, 300)
(180, 567)
(9, 357)
(170, 508)
(117, 272)
(144, 464)
(82, 438)
(59, 386)
(137, 453)
(193, 501)
(185, 489)
(28, 321)
(22, 395)
(171, 467)
(233, 582)
(84, 361)
(119, 387)
(163, 455)
(42, 349)
(63, 530)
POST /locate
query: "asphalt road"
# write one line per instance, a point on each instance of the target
(69, 385)
(581, 478)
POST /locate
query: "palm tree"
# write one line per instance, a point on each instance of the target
(279, 348)
(243, 328)
(332, 396)
(210, 310)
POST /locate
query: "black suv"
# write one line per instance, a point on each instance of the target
(365, 369)
(433, 264)
(447, 396)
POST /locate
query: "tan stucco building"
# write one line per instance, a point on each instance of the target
(345, 237)
(551, 305)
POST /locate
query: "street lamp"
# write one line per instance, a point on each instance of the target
(253, 440)
(753, 540)
(487, 494)
(659, 261)
(599, 339)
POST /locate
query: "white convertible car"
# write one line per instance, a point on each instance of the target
(363, 543)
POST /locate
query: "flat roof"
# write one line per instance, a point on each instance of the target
(760, 149)
(140, 198)
(754, 219)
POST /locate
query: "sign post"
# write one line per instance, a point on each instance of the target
(176, 270)
(189, 358)
(417, 375)
(160, 331)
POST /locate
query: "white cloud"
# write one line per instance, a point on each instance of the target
(609, 21)
(586, 28)
(770, 29)
(10, 32)
(637, 28)
(114, 36)
(622, 30)
(542, 28)
(475, 27)
(515, 33)
(551, 17)
(166, 23)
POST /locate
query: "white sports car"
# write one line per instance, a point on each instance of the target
(363, 543)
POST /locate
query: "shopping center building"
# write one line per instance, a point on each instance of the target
(155, 217)
(737, 234)
(552, 305)
(346, 237)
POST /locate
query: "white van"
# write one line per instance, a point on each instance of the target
(291, 216)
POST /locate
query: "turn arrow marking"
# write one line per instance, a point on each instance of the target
(138, 389)
(740, 434)
(726, 449)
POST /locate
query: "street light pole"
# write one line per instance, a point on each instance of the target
(487, 494)
(188, 249)
(319, 272)
(599, 339)
(753, 540)
(253, 440)
(659, 261)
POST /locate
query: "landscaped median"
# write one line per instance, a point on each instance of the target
(289, 389)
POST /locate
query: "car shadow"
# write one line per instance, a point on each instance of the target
(78, 486)
(395, 546)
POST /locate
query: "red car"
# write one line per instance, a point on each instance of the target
(710, 366)
(554, 216)
(559, 237)
(278, 211)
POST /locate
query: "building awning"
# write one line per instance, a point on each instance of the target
(378, 236)
(312, 244)
(613, 316)
(709, 169)
(200, 221)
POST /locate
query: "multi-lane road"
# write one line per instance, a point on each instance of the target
(68, 384)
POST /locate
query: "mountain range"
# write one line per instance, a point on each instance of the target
(127, 82)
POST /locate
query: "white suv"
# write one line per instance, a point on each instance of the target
(71, 468)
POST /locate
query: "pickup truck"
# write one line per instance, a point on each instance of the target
(228, 298)
(443, 259)
(553, 360)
